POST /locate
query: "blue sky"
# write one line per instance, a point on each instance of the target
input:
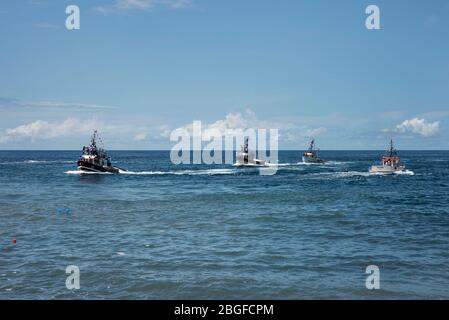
(138, 69)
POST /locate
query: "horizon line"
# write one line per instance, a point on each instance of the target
(195, 150)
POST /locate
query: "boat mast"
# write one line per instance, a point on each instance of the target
(392, 151)
(312, 145)
(94, 138)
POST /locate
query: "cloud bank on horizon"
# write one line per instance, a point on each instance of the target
(291, 132)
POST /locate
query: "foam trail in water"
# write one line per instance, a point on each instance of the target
(280, 164)
(309, 164)
(344, 174)
(326, 163)
(46, 161)
(406, 172)
(337, 162)
(347, 174)
(182, 172)
(85, 172)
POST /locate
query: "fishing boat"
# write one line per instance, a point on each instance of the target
(247, 158)
(95, 159)
(311, 155)
(391, 163)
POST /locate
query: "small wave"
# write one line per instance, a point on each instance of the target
(355, 174)
(348, 174)
(301, 163)
(281, 164)
(344, 174)
(332, 163)
(269, 164)
(310, 164)
(406, 172)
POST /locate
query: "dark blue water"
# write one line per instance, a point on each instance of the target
(164, 231)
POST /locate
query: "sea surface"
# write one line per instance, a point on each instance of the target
(164, 231)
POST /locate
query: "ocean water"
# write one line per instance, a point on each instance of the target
(163, 231)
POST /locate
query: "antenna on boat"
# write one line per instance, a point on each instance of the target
(392, 150)
(101, 141)
(312, 144)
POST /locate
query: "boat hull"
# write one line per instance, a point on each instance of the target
(311, 160)
(249, 165)
(386, 169)
(91, 167)
(248, 160)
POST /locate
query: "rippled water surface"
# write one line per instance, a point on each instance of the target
(162, 231)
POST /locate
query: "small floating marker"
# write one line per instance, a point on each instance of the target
(14, 241)
(120, 253)
(63, 211)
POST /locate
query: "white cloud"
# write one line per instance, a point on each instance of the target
(73, 127)
(249, 120)
(232, 121)
(140, 136)
(311, 133)
(165, 133)
(127, 5)
(45, 130)
(418, 126)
